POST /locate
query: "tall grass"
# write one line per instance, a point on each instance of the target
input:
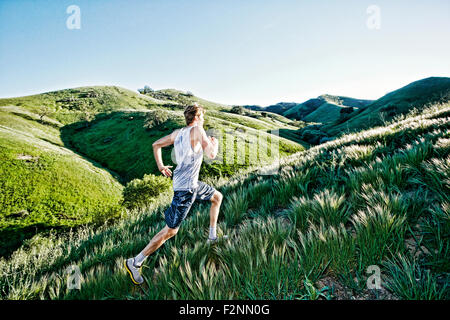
(328, 207)
(410, 281)
(326, 248)
(379, 233)
(235, 208)
(436, 237)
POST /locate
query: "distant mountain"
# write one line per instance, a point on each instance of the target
(330, 104)
(253, 107)
(323, 109)
(279, 108)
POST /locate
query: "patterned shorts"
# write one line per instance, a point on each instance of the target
(182, 202)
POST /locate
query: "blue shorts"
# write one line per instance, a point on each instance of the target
(182, 202)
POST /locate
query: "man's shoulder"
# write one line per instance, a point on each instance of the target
(174, 133)
(198, 129)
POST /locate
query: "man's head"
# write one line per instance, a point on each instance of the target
(194, 114)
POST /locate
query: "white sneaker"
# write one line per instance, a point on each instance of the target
(216, 239)
(135, 272)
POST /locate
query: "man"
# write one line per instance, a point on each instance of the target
(190, 142)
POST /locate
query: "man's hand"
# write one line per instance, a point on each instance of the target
(215, 145)
(165, 170)
(213, 140)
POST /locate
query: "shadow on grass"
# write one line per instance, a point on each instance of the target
(12, 238)
(293, 135)
(134, 129)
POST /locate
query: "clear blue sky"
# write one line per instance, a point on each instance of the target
(232, 52)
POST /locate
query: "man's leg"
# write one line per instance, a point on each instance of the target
(158, 240)
(216, 201)
(174, 215)
(133, 265)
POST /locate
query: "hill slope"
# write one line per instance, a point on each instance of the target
(89, 142)
(376, 197)
(417, 95)
(327, 104)
(45, 185)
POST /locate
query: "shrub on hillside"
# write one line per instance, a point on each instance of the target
(44, 111)
(145, 90)
(346, 110)
(342, 118)
(312, 136)
(238, 110)
(141, 192)
(155, 118)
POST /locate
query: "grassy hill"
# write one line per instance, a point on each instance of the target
(327, 112)
(68, 154)
(45, 185)
(323, 109)
(375, 197)
(278, 108)
(72, 105)
(120, 142)
(416, 95)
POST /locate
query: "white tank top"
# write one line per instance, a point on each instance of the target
(185, 175)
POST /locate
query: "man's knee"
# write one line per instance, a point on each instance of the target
(217, 197)
(170, 232)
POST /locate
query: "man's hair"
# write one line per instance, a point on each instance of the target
(191, 111)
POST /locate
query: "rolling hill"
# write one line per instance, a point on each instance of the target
(416, 95)
(374, 197)
(68, 154)
(327, 106)
(45, 185)
(278, 108)
(328, 116)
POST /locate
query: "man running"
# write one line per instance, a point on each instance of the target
(189, 143)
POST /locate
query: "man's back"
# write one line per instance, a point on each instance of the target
(189, 157)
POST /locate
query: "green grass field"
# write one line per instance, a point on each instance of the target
(374, 197)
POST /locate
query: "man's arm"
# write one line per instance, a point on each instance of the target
(209, 145)
(157, 145)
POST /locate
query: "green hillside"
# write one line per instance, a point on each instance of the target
(72, 105)
(181, 98)
(43, 184)
(327, 106)
(279, 108)
(375, 197)
(327, 112)
(63, 140)
(120, 142)
(416, 95)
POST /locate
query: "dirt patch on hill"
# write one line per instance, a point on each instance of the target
(341, 292)
(26, 157)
